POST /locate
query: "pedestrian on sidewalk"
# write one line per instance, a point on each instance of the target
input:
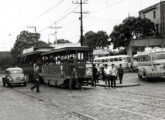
(113, 73)
(74, 78)
(120, 73)
(98, 72)
(102, 73)
(107, 75)
(36, 79)
(95, 75)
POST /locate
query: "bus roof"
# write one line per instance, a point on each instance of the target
(81, 48)
(147, 53)
(116, 56)
(33, 52)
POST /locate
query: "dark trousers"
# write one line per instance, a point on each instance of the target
(76, 82)
(113, 81)
(36, 85)
(108, 79)
(94, 80)
(121, 78)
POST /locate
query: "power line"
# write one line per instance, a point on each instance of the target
(67, 14)
(60, 19)
(117, 2)
(46, 11)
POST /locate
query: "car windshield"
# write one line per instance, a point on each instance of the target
(16, 71)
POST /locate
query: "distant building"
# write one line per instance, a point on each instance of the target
(156, 13)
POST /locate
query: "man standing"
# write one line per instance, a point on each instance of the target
(36, 78)
(107, 75)
(113, 73)
(94, 74)
(74, 78)
(120, 73)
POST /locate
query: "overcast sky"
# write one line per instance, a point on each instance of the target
(16, 15)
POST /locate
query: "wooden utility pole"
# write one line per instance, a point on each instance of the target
(81, 19)
(55, 32)
(35, 30)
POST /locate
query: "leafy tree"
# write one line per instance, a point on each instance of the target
(26, 40)
(93, 40)
(60, 41)
(131, 27)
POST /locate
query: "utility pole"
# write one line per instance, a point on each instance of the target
(55, 32)
(35, 30)
(33, 27)
(81, 19)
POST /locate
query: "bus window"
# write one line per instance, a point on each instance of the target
(111, 59)
(115, 59)
(119, 59)
(106, 60)
(127, 59)
(103, 60)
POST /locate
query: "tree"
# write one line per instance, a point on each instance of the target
(26, 40)
(93, 40)
(131, 27)
(61, 41)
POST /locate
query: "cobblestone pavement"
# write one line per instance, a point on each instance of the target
(145, 102)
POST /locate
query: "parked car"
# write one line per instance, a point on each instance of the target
(13, 76)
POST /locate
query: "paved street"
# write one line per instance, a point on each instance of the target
(144, 102)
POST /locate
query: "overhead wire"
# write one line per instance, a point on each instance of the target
(101, 9)
(60, 18)
(45, 12)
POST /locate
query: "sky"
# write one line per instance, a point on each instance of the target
(103, 15)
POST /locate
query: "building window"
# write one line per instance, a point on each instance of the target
(154, 14)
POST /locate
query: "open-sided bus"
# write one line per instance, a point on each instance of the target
(151, 64)
(58, 64)
(29, 58)
(116, 60)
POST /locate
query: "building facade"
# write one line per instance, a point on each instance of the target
(156, 13)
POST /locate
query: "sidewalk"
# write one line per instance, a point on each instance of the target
(125, 84)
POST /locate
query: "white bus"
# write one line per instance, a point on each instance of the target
(151, 64)
(135, 63)
(116, 60)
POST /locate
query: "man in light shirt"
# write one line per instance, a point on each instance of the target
(107, 75)
(113, 73)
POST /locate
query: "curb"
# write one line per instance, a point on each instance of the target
(129, 85)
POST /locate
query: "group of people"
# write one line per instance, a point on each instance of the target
(109, 74)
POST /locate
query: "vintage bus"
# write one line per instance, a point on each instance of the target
(58, 64)
(29, 58)
(116, 60)
(135, 62)
(151, 64)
